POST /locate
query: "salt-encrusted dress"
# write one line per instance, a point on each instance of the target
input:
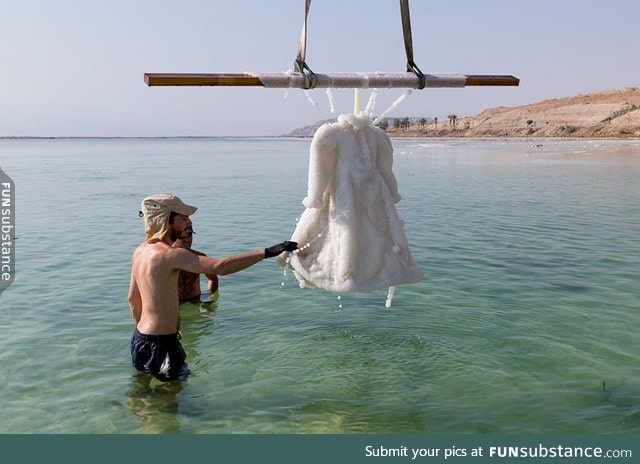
(351, 236)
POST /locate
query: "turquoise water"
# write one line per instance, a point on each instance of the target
(526, 322)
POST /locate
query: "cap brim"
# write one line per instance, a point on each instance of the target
(186, 210)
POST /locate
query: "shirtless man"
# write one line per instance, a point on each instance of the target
(188, 282)
(153, 291)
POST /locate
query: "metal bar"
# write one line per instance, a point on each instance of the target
(333, 80)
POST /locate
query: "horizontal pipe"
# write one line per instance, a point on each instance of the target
(333, 80)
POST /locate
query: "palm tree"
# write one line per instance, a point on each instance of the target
(452, 120)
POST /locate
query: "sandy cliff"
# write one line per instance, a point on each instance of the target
(609, 114)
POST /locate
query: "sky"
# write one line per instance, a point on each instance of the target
(76, 67)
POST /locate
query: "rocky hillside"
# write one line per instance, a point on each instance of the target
(609, 114)
(308, 131)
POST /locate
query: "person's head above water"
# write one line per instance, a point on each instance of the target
(186, 240)
(157, 209)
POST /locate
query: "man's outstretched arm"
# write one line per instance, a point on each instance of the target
(231, 264)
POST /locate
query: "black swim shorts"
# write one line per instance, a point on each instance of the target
(159, 355)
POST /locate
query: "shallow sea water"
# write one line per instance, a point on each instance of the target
(526, 321)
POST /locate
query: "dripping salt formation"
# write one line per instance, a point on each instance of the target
(350, 234)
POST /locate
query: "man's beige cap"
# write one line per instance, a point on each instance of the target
(156, 210)
(166, 203)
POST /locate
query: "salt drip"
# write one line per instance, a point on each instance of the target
(394, 105)
(331, 102)
(288, 260)
(284, 272)
(310, 98)
(372, 102)
(392, 291)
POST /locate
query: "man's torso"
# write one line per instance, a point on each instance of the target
(157, 282)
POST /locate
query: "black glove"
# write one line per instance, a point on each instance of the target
(275, 250)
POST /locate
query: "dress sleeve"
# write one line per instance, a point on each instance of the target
(322, 161)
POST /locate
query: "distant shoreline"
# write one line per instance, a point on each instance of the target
(612, 114)
(140, 137)
(393, 135)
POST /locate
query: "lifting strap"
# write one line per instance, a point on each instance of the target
(408, 43)
(300, 65)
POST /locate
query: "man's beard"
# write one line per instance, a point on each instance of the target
(175, 234)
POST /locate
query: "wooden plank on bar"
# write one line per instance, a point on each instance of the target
(488, 80)
(228, 80)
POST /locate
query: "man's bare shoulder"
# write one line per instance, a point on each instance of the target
(160, 255)
(197, 253)
(158, 250)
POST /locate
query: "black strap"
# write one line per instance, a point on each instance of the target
(300, 65)
(408, 43)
